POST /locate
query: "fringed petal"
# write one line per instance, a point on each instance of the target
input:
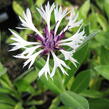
(45, 70)
(46, 14)
(27, 22)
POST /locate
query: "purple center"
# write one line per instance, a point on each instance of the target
(49, 42)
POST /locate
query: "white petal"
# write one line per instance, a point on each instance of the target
(72, 22)
(46, 14)
(28, 13)
(75, 37)
(31, 50)
(20, 56)
(63, 71)
(75, 41)
(45, 70)
(68, 56)
(27, 22)
(59, 15)
(74, 61)
(15, 48)
(32, 58)
(58, 63)
(53, 71)
(20, 28)
(20, 42)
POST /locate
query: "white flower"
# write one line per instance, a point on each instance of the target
(50, 42)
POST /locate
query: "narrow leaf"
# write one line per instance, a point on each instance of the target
(73, 100)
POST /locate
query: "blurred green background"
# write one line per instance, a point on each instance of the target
(86, 87)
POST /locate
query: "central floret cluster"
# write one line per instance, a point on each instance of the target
(51, 40)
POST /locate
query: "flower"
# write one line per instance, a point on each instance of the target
(51, 42)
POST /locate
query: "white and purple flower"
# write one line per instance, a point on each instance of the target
(51, 41)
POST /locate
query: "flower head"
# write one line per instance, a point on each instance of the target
(52, 42)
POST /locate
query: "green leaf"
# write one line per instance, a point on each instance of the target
(55, 85)
(83, 12)
(39, 2)
(99, 103)
(18, 106)
(5, 99)
(63, 107)
(93, 23)
(81, 82)
(5, 82)
(103, 70)
(29, 76)
(106, 7)
(102, 21)
(3, 70)
(59, 2)
(73, 100)
(5, 106)
(35, 102)
(4, 90)
(25, 80)
(80, 56)
(104, 56)
(55, 103)
(17, 8)
(102, 39)
(24, 86)
(92, 93)
(100, 3)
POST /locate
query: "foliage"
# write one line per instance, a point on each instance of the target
(83, 88)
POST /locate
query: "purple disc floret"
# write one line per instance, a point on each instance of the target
(49, 42)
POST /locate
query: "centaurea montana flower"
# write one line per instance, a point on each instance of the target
(50, 42)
